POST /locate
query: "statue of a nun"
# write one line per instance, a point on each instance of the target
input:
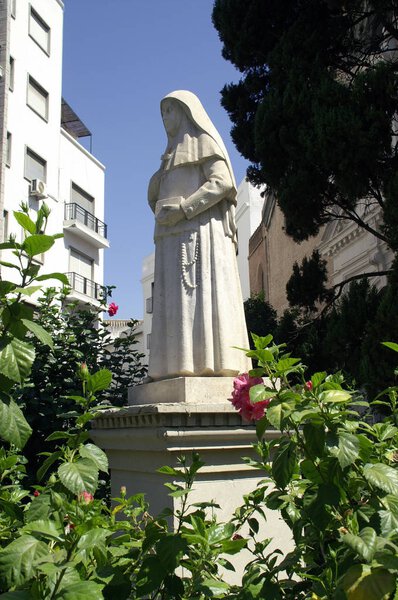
(198, 313)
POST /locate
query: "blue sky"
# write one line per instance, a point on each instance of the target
(120, 58)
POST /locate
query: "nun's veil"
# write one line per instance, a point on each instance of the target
(196, 149)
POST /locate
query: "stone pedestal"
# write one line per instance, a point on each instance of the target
(194, 415)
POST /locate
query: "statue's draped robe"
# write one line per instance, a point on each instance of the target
(197, 303)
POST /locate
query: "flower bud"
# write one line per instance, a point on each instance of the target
(82, 371)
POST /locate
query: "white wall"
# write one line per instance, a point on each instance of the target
(248, 217)
(67, 161)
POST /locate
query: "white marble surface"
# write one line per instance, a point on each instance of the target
(197, 310)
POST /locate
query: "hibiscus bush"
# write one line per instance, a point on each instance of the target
(59, 538)
(332, 474)
(325, 465)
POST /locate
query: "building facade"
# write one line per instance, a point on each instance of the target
(249, 207)
(348, 249)
(43, 158)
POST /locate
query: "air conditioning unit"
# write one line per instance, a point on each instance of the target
(38, 188)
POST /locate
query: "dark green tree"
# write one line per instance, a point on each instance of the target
(260, 316)
(377, 366)
(79, 337)
(315, 110)
(306, 286)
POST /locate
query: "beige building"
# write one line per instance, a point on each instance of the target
(348, 249)
(272, 254)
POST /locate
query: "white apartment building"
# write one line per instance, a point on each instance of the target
(248, 216)
(42, 158)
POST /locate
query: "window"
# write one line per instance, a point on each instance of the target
(5, 225)
(11, 82)
(81, 198)
(81, 264)
(81, 274)
(37, 98)
(148, 341)
(35, 166)
(39, 31)
(8, 149)
(149, 301)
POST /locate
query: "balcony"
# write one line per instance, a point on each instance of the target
(85, 225)
(84, 290)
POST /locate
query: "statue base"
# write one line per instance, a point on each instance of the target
(193, 416)
(190, 390)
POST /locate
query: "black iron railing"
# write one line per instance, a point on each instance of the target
(85, 286)
(77, 212)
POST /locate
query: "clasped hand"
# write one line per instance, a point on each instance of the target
(169, 212)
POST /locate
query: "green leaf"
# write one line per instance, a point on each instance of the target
(391, 345)
(389, 516)
(385, 431)
(362, 582)
(284, 462)
(44, 528)
(261, 342)
(166, 470)
(84, 590)
(37, 244)
(364, 544)
(60, 435)
(54, 456)
(14, 428)
(9, 265)
(9, 246)
(6, 287)
(25, 221)
(79, 476)
(330, 396)
(256, 372)
(382, 476)
(16, 360)
(179, 493)
(39, 508)
(92, 538)
(100, 380)
(261, 427)
(220, 531)
(213, 588)
(233, 546)
(170, 550)
(150, 576)
(259, 392)
(310, 471)
(365, 447)
(264, 356)
(17, 595)
(18, 560)
(59, 276)
(317, 378)
(278, 411)
(348, 449)
(285, 364)
(96, 455)
(28, 291)
(314, 434)
(39, 332)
